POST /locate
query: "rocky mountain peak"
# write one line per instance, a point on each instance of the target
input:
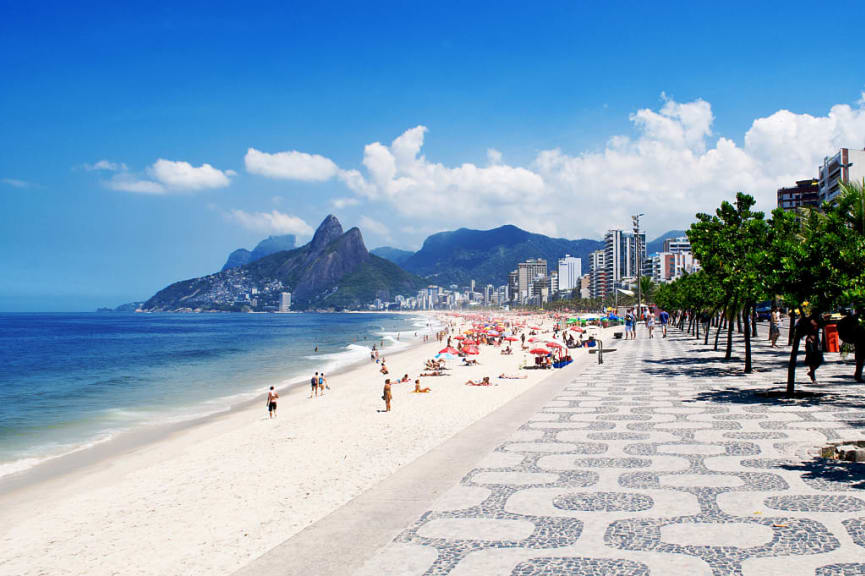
(329, 230)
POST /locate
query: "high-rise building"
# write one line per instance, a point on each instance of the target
(570, 270)
(624, 253)
(667, 266)
(845, 166)
(677, 245)
(285, 302)
(586, 286)
(513, 286)
(598, 273)
(804, 193)
(528, 272)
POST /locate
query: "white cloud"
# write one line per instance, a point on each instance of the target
(16, 183)
(291, 165)
(106, 166)
(372, 226)
(344, 202)
(166, 177)
(178, 175)
(670, 167)
(273, 222)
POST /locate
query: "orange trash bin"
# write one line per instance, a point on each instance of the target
(831, 343)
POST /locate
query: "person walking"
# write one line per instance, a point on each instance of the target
(664, 319)
(321, 383)
(272, 395)
(386, 395)
(774, 326)
(650, 324)
(313, 382)
(813, 350)
(629, 323)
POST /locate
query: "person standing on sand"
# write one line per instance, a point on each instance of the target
(322, 382)
(272, 395)
(386, 395)
(313, 382)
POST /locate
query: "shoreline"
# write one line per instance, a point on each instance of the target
(211, 497)
(125, 440)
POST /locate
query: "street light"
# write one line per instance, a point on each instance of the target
(636, 221)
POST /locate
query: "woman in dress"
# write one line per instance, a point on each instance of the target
(774, 326)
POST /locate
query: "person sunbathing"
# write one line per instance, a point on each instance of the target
(484, 382)
(433, 373)
(504, 376)
(418, 389)
(404, 378)
(383, 369)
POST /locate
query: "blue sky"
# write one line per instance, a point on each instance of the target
(561, 118)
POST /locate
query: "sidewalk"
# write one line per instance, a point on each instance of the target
(664, 459)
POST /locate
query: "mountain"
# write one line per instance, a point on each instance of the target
(268, 246)
(334, 270)
(657, 245)
(487, 256)
(395, 255)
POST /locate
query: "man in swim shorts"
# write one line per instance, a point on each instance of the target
(313, 382)
(272, 395)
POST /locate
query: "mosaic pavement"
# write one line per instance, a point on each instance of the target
(663, 459)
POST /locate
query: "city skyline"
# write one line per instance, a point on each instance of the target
(140, 147)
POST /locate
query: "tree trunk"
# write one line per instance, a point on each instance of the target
(791, 365)
(746, 314)
(697, 327)
(790, 336)
(729, 352)
(738, 322)
(718, 333)
(690, 322)
(754, 321)
(709, 328)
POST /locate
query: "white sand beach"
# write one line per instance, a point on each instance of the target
(211, 497)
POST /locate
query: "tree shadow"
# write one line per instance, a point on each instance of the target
(824, 471)
(777, 394)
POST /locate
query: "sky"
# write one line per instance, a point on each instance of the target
(140, 143)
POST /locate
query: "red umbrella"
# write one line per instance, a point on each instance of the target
(471, 350)
(449, 350)
(459, 337)
(534, 328)
(511, 339)
(553, 345)
(539, 351)
(470, 343)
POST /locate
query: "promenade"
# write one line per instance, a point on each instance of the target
(663, 460)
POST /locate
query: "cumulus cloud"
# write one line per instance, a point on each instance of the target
(291, 165)
(670, 166)
(273, 222)
(106, 166)
(166, 177)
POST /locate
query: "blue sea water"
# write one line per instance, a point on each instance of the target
(70, 380)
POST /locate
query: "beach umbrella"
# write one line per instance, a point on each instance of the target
(470, 343)
(533, 328)
(511, 339)
(493, 333)
(445, 356)
(449, 350)
(539, 351)
(554, 345)
(471, 350)
(459, 337)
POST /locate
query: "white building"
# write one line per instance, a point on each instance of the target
(677, 245)
(570, 270)
(845, 166)
(285, 302)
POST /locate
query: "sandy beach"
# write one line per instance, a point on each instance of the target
(211, 497)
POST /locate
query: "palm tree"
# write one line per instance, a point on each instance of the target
(647, 286)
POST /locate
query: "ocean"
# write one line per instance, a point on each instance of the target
(69, 381)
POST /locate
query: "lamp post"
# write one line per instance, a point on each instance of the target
(636, 220)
